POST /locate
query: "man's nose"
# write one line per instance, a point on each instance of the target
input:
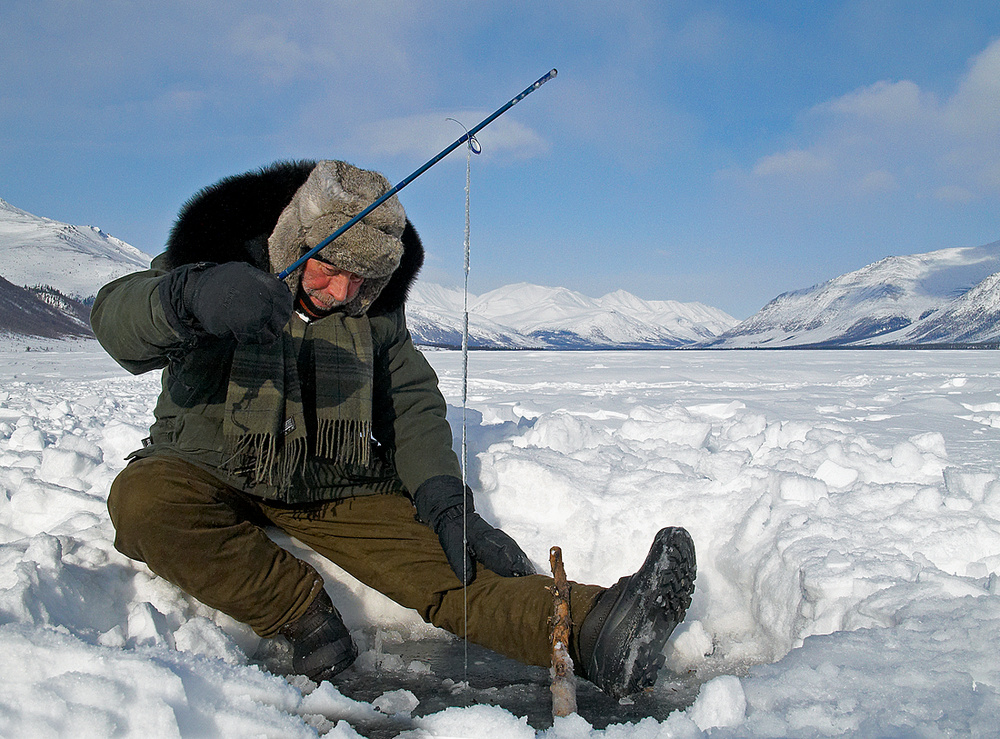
(338, 286)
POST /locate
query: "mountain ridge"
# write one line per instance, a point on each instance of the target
(42, 312)
(75, 261)
(524, 315)
(947, 297)
(882, 303)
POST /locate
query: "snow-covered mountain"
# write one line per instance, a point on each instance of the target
(434, 315)
(973, 318)
(78, 260)
(531, 316)
(920, 298)
(75, 260)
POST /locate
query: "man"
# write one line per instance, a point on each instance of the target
(303, 404)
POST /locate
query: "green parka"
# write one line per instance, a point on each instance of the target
(409, 412)
(412, 438)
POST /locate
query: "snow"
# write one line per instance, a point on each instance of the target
(76, 260)
(969, 318)
(845, 506)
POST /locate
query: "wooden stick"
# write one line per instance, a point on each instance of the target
(563, 678)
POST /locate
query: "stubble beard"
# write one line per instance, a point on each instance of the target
(320, 303)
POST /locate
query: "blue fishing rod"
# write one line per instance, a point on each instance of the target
(467, 136)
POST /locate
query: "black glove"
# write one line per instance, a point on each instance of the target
(439, 504)
(231, 299)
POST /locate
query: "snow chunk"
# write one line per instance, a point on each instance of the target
(147, 626)
(119, 439)
(396, 703)
(674, 425)
(721, 703)
(563, 433)
(487, 720)
(70, 461)
(799, 488)
(201, 636)
(327, 701)
(836, 476)
(718, 410)
(691, 643)
(970, 484)
(26, 438)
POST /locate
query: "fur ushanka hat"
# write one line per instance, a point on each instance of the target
(333, 194)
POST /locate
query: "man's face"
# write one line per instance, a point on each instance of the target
(326, 287)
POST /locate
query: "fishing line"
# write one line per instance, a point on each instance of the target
(473, 148)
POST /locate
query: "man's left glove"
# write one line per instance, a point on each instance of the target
(232, 299)
(439, 504)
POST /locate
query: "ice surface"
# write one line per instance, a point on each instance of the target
(845, 506)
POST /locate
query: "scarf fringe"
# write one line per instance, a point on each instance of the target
(258, 456)
(347, 441)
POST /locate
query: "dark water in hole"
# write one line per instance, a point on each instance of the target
(495, 680)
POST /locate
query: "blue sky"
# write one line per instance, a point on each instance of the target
(721, 152)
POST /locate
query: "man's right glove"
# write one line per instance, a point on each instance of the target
(439, 503)
(231, 299)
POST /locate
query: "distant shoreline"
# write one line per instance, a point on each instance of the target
(810, 347)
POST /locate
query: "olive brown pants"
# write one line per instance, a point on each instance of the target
(207, 538)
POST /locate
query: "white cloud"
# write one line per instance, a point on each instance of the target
(893, 135)
(267, 42)
(975, 107)
(792, 163)
(886, 104)
(878, 181)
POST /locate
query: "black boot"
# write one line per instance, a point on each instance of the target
(321, 644)
(622, 638)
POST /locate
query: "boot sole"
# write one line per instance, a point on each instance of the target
(329, 660)
(650, 605)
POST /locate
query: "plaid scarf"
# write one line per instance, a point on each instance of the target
(271, 423)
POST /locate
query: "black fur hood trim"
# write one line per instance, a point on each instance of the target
(231, 220)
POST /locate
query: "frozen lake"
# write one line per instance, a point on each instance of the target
(845, 506)
(886, 395)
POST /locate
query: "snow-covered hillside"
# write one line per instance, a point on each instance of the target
(434, 315)
(973, 318)
(41, 312)
(75, 260)
(881, 303)
(524, 315)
